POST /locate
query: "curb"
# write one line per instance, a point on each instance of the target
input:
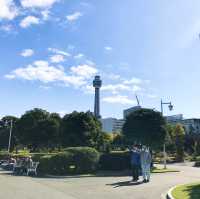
(169, 193)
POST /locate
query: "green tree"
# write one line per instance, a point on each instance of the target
(38, 128)
(104, 142)
(179, 138)
(145, 126)
(169, 138)
(118, 139)
(80, 129)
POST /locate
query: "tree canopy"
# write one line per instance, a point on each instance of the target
(37, 128)
(145, 126)
(80, 129)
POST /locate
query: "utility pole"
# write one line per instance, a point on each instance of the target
(10, 135)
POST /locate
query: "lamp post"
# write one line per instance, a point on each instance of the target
(170, 106)
(10, 134)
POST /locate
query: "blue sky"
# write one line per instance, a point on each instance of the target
(51, 49)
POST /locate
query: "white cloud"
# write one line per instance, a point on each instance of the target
(113, 76)
(45, 87)
(136, 88)
(57, 58)
(75, 16)
(39, 70)
(28, 21)
(45, 14)
(38, 3)
(115, 88)
(27, 52)
(76, 81)
(45, 73)
(8, 9)
(151, 96)
(62, 113)
(89, 62)
(133, 81)
(85, 71)
(108, 48)
(6, 28)
(88, 89)
(57, 51)
(79, 56)
(119, 99)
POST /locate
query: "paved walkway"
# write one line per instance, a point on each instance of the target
(16, 187)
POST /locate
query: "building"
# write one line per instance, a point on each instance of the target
(118, 125)
(111, 125)
(97, 83)
(127, 112)
(107, 124)
(174, 119)
(191, 125)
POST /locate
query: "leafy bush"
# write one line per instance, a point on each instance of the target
(77, 160)
(115, 161)
(37, 156)
(197, 164)
(85, 159)
(4, 155)
(44, 166)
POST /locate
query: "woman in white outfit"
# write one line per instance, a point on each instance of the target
(145, 158)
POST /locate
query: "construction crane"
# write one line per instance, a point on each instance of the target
(138, 102)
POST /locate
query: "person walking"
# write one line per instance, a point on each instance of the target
(135, 163)
(145, 158)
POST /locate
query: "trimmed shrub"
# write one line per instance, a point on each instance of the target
(116, 161)
(4, 155)
(77, 160)
(44, 166)
(61, 163)
(37, 156)
(197, 164)
(85, 159)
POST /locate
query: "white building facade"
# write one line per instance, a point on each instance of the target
(112, 125)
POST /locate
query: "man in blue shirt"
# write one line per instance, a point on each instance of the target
(135, 163)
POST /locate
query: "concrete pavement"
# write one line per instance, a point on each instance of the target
(17, 187)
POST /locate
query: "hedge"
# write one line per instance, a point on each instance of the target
(4, 155)
(58, 164)
(77, 160)
(197, 164)
(85, 159)
(116, 161)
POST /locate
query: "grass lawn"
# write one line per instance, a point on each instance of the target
(189, 191)
(164, 171)
(161, 170)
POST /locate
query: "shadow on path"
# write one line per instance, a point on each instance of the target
(124, 183)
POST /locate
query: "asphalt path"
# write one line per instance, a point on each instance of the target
(22, 187)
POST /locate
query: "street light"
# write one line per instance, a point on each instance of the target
(170, 106)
